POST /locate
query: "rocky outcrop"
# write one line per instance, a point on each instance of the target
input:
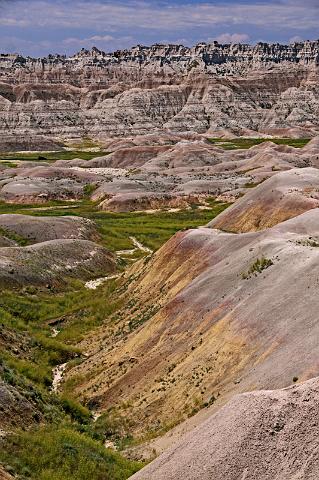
(206, 88)
(137, 201)
(42, 229)
(156, 59)
(44, 251)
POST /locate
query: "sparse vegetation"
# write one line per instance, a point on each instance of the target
(251, 184)
(89, 189)
(258, 266)
(21, 241)
(308, 242)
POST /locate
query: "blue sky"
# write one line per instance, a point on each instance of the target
(39, 27)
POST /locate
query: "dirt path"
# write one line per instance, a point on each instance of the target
(55, 207)
(58, 373)
(140, 246)
(93, 284)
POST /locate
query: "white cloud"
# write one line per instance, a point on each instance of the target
(233, 38)
(38, 27)
(295, 39)
(88, 40)
(101, 15)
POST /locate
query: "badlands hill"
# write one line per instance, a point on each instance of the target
(264, 435)
(266, 88)
(281, 197)
(113, 349)
(210, 315)
(218, 311)
(177, 170)
(43, 251)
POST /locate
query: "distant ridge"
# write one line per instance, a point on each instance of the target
(206, 88)
(306, 52)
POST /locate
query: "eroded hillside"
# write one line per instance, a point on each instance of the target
(266, 88)
(135, 299)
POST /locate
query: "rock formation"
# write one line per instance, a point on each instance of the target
(206, 88)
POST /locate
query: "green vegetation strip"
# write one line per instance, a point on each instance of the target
(62, 453)
(244, 143)
(49, 156)
(153, 230)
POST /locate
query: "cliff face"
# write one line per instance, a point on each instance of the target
(171, 87)
(158, 59)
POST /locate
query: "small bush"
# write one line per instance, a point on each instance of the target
(75, 410)
(89, 189)
(258, 266)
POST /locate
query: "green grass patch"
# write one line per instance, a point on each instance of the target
(244, 143)
(79, 308)
(89, 189)
(151, 229)
(49, 156)
(21, 241)
(62, 453)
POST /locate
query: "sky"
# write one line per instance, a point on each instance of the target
(39, 27)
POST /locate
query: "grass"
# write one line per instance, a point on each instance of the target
(244, 143)
(68, 446)
(48, 156)
(151, 229)
(62, 453)
(21, 241)
(82, 310)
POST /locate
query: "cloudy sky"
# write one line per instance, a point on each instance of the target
(39, 27)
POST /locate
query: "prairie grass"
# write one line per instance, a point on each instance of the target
(244, 143)
(62, 453)
(49, 156)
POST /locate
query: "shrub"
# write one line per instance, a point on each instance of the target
(75, 410)
(258, 266)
